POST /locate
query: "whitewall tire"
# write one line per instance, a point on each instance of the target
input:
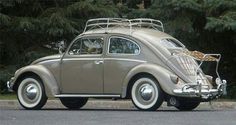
(146, 94)
(31, 93)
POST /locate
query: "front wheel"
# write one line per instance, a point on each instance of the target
(31, 93)
(187, 105)
(146, 94)
(73, 103)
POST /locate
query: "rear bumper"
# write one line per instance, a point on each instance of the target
(203, 93)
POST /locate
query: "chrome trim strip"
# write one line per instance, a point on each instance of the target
(118, 59)
(124, 59)
(49, 60)
(85, 95)
(73, 59)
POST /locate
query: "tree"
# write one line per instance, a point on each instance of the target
(27, 26)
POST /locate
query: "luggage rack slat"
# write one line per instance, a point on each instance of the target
(105, 23)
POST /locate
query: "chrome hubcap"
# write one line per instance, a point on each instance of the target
(31, 91)
(146, 91)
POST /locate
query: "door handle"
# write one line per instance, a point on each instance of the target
(98, 62)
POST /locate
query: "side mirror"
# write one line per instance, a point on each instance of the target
(61, 46)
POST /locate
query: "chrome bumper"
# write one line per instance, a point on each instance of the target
(204, 93)
(10, 84)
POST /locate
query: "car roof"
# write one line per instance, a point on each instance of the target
(145, 33)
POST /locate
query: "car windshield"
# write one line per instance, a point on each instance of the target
(170, 43)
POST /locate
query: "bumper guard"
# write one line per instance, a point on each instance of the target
(10, 84)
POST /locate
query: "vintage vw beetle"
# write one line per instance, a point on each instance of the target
(120, 58)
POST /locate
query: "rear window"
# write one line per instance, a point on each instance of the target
(170, 43)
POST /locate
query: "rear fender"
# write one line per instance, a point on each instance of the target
(161, 74)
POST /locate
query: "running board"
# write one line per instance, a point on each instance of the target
(86, 95)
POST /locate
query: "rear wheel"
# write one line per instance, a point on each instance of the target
(31, 93)
(187, 105)
(73, 103)
(146, 94)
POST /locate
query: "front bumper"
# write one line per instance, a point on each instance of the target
(201, 91)
(10, 84)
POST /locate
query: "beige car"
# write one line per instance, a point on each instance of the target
(123, 59)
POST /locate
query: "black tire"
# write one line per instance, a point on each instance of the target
(31, 93)
(146, 94)
(187, 105)
(73, 103)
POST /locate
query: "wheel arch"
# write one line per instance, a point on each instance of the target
(48, 80)
(22, 76)
(157, 72)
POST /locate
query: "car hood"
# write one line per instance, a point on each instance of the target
(46, 58)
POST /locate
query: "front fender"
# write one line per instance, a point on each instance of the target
(161, 74)
(50, 84)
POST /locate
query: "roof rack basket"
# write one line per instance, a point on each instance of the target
(105, 23)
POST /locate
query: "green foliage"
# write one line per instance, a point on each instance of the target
(133, 3)
(226, 22)
(59, 25)
(26, 26)
(5, 75)
(4, 20)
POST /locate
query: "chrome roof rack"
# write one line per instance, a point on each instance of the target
(105, 23)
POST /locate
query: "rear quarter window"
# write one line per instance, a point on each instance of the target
(119, 45)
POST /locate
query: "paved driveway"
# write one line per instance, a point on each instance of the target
(115, 113)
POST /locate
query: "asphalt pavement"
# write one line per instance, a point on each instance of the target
(106, 112)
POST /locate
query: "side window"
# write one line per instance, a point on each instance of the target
(120, 45)
(87, 46)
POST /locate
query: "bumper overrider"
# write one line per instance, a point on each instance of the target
(190, 90)
(10, 84)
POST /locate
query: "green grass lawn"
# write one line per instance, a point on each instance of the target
(8, 96)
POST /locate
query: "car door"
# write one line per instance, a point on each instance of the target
(123, 54)
(82, 66)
